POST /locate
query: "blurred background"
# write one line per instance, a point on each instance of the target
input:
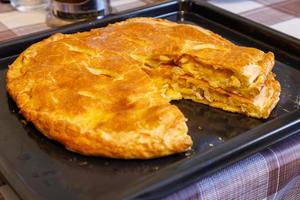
(22, 17)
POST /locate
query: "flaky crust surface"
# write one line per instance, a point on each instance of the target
(90, 91)
(94, 106)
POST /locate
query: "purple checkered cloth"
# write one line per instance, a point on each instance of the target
(273, 173)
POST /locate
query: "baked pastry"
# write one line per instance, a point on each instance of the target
(101, 107)
(106, 92)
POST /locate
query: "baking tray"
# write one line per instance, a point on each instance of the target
(38, 168)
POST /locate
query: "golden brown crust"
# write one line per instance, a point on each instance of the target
(106, 92)
(73, 98)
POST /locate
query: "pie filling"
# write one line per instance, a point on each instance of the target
(204, 85)
(248, 86)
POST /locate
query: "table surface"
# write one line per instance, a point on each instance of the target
(273, 173)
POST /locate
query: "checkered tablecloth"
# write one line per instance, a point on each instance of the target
(282, 15)
(273, 173)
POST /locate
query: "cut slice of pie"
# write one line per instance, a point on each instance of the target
(175, 84)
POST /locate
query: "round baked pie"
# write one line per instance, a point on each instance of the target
(107, 92)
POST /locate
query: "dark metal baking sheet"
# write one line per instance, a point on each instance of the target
(38, 168)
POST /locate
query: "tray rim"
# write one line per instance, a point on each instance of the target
(292, 125)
